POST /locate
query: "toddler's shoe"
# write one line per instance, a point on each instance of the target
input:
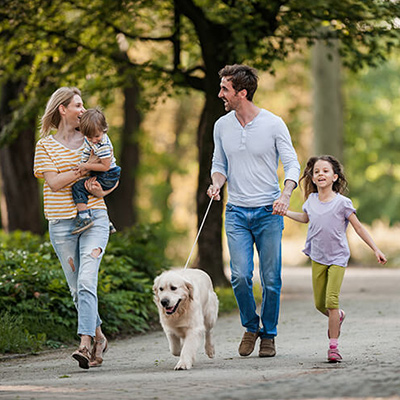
(334, 355)
(81, 224)
(112, 228)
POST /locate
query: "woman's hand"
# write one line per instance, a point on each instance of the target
(94, 188)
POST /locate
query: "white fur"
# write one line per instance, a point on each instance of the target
(190, 296)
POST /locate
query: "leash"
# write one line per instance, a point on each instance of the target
(198, 233)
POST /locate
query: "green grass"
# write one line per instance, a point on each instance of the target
(227, 300)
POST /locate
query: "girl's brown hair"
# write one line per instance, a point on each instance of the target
(339, 186)
(51, 117)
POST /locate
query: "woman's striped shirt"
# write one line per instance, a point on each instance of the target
(52, 156)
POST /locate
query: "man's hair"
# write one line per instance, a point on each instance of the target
(242, 77)
(92, 121)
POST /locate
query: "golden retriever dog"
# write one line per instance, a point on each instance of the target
(188, 308)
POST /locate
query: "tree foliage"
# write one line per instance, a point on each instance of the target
(373, 141)
(103, 44)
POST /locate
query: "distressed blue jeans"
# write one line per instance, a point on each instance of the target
(80, 265)
(246, 227)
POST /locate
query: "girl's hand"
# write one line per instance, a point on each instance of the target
(380, 257)
(281, 205)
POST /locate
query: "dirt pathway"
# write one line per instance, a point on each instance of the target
(142, 368)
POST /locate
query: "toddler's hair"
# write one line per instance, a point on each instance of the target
(339, 186)
(92, 121)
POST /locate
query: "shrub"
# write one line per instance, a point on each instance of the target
(33, 287)
(15, 338)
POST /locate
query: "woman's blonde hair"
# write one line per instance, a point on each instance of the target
(51, 117)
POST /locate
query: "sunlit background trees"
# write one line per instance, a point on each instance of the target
(153, 66)
(327, 67)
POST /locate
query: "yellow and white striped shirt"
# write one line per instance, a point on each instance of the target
(51, 155)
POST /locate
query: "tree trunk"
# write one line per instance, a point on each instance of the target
(210, 257)
(328, 105)
(214, 42)
(121, 201)
(20, 203)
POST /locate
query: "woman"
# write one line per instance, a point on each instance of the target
(56, 158)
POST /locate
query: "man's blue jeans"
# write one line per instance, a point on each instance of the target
(80, 266)
(245, 227)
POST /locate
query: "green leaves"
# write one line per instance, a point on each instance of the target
(372, 131)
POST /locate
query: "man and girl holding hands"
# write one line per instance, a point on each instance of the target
(248, 142)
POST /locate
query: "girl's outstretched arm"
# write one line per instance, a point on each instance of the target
(297, 216)
(364, 235)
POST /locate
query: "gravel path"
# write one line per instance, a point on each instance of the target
(142, 368)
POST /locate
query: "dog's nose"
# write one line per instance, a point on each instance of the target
(165, 302)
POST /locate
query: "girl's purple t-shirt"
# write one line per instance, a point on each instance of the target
(326, 237)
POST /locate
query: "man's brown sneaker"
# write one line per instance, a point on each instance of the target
(248, 343)
(267, 348)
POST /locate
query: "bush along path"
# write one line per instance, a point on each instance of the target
(36, 307)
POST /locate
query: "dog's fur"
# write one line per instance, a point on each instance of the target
(188, 309)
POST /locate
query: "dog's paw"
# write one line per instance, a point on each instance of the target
(210, 351)
(182, 365)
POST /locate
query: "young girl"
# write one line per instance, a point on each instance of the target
(329, 213)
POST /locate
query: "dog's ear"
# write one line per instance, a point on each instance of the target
(155, 287)
(190, 289)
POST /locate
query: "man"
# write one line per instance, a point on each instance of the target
(248, 144)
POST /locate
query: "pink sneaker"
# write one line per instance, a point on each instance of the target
(342, 315)
(334, 356)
